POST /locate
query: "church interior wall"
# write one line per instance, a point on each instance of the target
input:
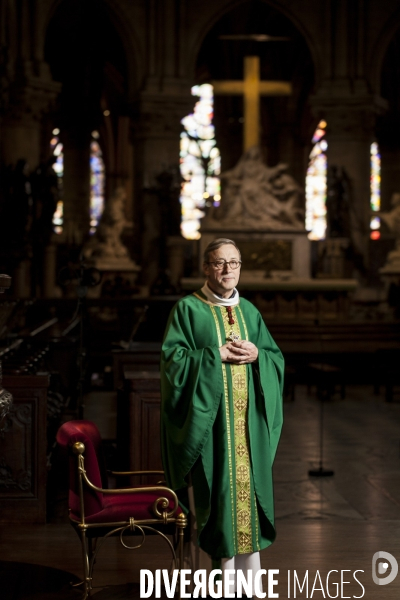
(125, 69)
(343, 51)
(199, 25)
(382, 24)
(389, 122)
(283, 138)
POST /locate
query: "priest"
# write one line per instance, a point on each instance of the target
(221, 383)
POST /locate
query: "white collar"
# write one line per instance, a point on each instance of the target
(215, 299)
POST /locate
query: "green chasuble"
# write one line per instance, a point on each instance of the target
(221, 423)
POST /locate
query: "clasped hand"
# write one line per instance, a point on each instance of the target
(239, 353)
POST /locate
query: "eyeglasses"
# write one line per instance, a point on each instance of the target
(220, 264)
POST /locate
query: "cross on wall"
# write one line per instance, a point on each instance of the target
(252, 87)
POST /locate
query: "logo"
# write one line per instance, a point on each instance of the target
(380, 568)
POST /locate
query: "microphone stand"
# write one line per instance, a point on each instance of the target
(321, 471)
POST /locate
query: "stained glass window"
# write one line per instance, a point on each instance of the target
(375, 190)
(96, 180)
(316, 187)
(57, 150)
(200, 162)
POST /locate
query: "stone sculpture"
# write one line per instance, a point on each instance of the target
(337, 203)
(392, 220)
(106, 242)
(258, 197)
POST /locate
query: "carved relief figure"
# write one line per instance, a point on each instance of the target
(106, 242)
(392, 220)
(337, 203)
(258, 196)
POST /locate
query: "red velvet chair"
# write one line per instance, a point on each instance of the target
(99, 512)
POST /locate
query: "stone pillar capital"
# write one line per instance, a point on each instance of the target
(29, 94)
(158, 115)
(350, 115)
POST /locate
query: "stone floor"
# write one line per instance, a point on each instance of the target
(323, 524)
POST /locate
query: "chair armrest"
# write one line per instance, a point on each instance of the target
(135, 490)
(162, 502)
(79, 448)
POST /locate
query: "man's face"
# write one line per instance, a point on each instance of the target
(224, 280)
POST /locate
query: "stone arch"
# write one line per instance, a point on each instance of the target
(286, 126)
(229, 5)
(126, 30)
(379, 49)
(97, 58)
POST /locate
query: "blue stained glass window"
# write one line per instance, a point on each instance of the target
(97, 176)
(96, 184)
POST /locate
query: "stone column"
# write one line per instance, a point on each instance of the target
(390, 174)
(158, 109)
(351, 130)
(31, 94)
(76, 184)
(157, 136)
(120, 163)
(389, 148)
(27, 87)
(30, 97)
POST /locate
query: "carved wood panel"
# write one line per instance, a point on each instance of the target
(145, 418)
(16, 476)
(23, 451)
(141, 356)
(139, 423)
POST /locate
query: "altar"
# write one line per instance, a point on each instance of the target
(298, 298)
(261, 210)
(285, 252)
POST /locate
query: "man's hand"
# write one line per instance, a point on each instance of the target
(225, 352)
(239, 353)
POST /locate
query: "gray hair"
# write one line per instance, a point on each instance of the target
(215, 244)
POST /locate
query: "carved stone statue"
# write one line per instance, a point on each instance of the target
(392, 220)
(337, 203)
(106, 242)
(258, 197)
(16, 206)
(107, 253)
(46, 193)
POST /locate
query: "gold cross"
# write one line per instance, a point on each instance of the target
(232, 336)
(252, 88)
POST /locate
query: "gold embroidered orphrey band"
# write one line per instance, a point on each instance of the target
(241, 493)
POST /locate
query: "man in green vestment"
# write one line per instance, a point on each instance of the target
(221, 383)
